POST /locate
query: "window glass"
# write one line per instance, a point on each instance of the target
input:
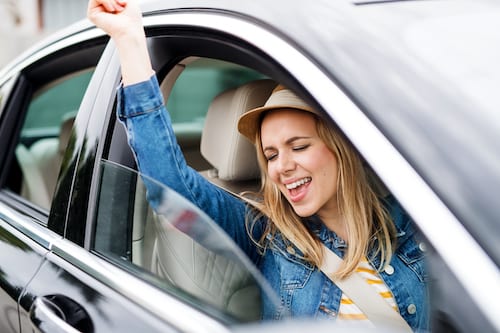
(45, 133)
(52, 103)
(175, 245)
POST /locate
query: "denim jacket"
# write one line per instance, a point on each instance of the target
(302, 288)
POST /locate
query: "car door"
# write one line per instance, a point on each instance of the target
(30, 113)
(20, 259)
(40, 99)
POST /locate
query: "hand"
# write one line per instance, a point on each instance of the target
(118, 18)
(122, 20)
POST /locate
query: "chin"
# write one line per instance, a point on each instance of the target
(304, 212)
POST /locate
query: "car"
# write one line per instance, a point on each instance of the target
(412, 84)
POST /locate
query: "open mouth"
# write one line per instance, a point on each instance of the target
(298, 183)
(298, 189)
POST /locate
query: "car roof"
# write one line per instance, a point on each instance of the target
(77, 32)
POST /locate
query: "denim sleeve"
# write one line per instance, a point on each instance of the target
(150, 135)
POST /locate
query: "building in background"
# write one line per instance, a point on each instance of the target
(56, 14)
(24, 22)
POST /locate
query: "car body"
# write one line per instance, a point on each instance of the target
(412, 84)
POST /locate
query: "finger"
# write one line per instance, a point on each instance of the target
(120, 5)
(110, 6)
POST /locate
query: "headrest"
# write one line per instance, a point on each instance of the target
(222, 145)
(65, 132)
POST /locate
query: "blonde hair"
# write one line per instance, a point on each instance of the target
(368, 224)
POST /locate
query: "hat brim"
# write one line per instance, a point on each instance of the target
(249, 122)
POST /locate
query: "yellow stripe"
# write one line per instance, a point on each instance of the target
(386, 294)
(365, 270)
(372, 281)
(346, 301)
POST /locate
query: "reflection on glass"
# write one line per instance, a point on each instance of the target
(175, 241)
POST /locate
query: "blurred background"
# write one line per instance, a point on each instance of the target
(24, 22)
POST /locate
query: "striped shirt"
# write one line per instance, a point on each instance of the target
(348, 311)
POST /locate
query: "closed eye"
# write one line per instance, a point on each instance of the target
(271, 157)
(301, 147)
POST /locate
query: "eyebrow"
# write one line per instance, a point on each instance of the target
(289, 141)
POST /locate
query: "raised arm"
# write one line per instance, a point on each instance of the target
(122, 21)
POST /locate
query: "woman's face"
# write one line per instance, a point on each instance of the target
(300, 163)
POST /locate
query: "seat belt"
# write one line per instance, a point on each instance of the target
(378, 311)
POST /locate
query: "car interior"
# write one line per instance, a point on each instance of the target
(41, 162)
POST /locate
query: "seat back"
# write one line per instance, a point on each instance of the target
(204, 274)
(232, 156)
(40, 165)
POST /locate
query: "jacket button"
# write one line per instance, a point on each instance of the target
(389, 270)
(422, 247)
(412, 309)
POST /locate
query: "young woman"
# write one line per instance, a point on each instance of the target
(316, 192)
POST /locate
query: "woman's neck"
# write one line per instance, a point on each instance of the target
(335, 223)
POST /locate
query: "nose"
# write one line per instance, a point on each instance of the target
(286, 163)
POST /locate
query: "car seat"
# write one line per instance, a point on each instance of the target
(233, 157)
(41, 162)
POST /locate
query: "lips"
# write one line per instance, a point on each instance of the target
(297, 190)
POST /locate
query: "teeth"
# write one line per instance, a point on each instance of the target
(298, 183)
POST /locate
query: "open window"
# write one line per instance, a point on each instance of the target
(39, 116)
(171, 249)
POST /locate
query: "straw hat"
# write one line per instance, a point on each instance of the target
(281, 98)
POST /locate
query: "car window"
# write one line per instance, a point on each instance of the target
(53, 103)
(44, 135)
(175, 245)
(180, 250)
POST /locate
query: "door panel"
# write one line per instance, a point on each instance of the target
(20, 258)
(60, 290)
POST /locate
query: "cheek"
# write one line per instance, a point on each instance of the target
(328, 165)
(272, 173)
